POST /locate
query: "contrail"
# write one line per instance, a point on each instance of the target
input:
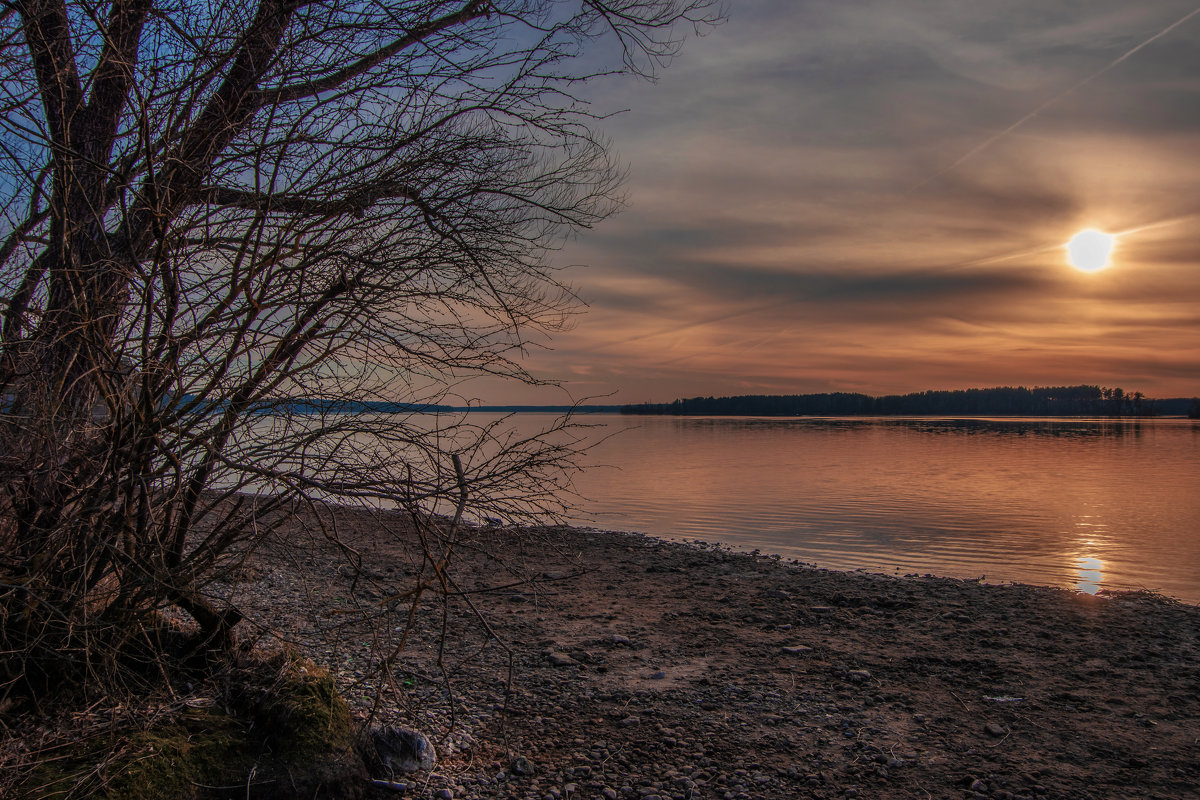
(700, 323)
(996, 137)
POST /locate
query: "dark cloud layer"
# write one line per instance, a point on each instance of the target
(874, 195)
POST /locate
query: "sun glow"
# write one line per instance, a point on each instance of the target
(1089, 250)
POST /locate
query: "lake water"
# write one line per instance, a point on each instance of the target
(1086, 504)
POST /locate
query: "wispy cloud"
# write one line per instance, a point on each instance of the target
(873, 196)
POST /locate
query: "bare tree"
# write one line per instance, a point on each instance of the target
(214, 208)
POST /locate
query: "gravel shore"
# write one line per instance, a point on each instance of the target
(572, 663)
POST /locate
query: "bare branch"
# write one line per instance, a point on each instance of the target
(472, 10)
(111, 79)
(48, 37)
(18, 304)
(354, 202)
(262, 243)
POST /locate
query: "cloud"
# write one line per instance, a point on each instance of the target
(802, 217)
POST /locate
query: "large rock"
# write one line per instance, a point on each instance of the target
(394, 750)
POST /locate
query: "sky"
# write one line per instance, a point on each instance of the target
(874, 197)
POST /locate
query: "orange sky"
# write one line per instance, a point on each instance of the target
(874, 197)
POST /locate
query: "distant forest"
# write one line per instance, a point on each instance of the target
(1049, 401)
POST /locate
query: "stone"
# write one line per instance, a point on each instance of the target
(560, 659)
(521, 766)
(658, 676)
(997, 731)
(396, 786)
(797, 650)
(399, 749)
(443, 794)
(619, 639)
(609, 793)
(858, 676)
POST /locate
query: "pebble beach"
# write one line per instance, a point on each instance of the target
(573, 663)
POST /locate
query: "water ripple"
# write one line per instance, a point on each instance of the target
(1081, 504)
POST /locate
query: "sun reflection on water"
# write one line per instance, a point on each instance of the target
(1089, 574)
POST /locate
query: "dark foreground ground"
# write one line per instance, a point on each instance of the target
(619, 666)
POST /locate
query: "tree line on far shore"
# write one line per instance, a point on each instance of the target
(1049, 401)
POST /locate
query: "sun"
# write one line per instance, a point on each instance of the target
(1089, 250)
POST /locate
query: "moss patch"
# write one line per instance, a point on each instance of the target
(288, 736)
(202, 748)
(306, 717)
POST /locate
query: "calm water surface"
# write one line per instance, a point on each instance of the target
(1087, 504)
